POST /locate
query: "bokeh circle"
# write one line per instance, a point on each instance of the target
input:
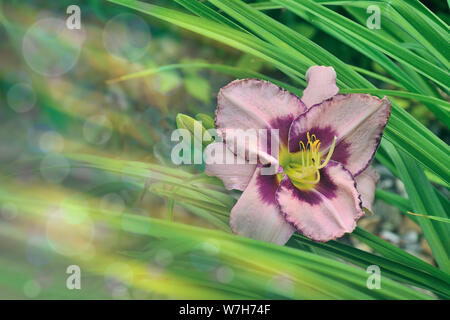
(97, 129)
(50, 48)
(127, 35)
(21, 97)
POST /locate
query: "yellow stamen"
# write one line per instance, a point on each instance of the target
(303, 169)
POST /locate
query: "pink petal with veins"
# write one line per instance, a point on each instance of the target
(366, 183)
(256, 214)
(328, 210)
(233, 175)
(357, 120)
(321, 85)
(257, 104)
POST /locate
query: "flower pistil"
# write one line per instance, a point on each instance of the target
(303, 167)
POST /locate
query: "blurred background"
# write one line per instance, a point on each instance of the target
(61, 100)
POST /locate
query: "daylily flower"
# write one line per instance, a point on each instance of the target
(327, 142)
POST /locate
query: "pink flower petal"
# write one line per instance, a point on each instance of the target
(233, 175)
(366, 183)
(257, 104)
(327, 211)
(357, 120)
(256, 214)
(321, 85)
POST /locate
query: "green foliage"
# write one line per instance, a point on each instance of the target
(407, 59)
(246, 28)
